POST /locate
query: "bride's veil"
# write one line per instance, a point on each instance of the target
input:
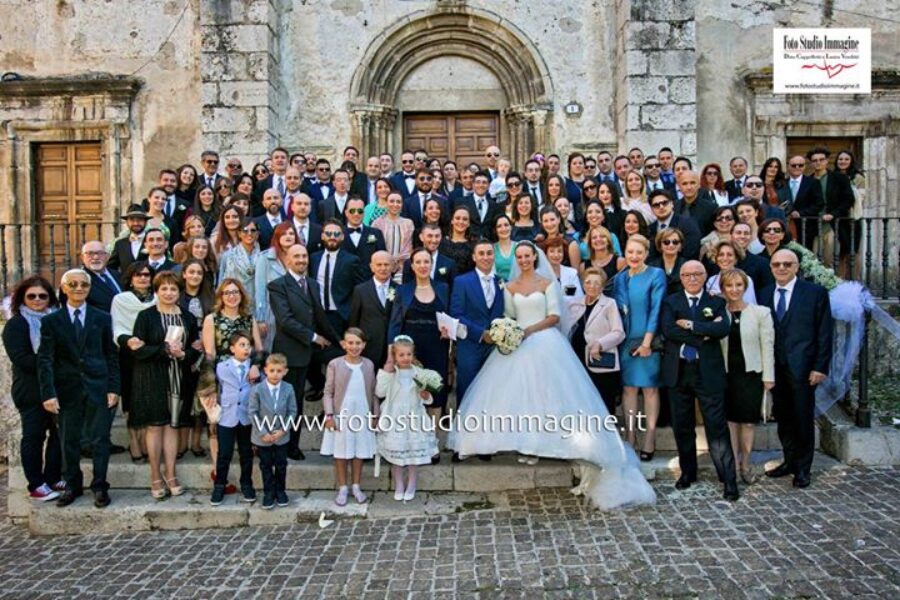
(544, 270)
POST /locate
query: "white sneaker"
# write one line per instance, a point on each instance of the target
(409, 495)
(43, 494)
(531, 460)
(398, 494)
(522, 459)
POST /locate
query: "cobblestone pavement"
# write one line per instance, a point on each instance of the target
(840, 538)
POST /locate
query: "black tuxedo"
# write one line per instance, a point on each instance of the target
(121, 255)
(690, 249)
(803, 343)
(79, 371)
(809, 203)
(703, 378)
(329, 209)
(313, 240)
(166, 265)
(266, 231)
(481, 227)
(412, 206)
(371, 240)
(345, 274)
(299, 317)
(445, 271)
(702, 210)
(367, 313)
(313, 189)
(398, 181)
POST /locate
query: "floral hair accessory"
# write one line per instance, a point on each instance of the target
(403, 338)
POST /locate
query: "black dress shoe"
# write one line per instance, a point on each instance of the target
(101, 499)
(87, 453)
(802, 480)
(782, 470)
(314, 395)
(731, 492)
(68, 497)
(436, 459)
(455, 458)
(484, 457)
(684, 482)
(116, 449)
(296, 454)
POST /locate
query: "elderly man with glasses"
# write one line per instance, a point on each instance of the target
(78, 366)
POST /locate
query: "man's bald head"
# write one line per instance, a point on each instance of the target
(380, 263)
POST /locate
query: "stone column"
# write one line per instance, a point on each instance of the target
(372, 128)
(656, 79)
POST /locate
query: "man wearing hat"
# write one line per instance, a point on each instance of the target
(126, 250)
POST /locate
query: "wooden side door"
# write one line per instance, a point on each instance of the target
(799, 146)
(68, 202)
(460, 137)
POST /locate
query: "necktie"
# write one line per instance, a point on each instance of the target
(781, 307)
(275, 221)
(689, 352)
(488, 287)
(662, 226)
(327, 286)
(281, 186)
(301, 235)
(79, 328)
(242, 372)
(275, 397)
(382, 294)
(169, 207)
(481, 208)
(794, 186)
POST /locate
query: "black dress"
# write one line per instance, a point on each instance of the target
(460, 252)
(433, 352)
(743, 398)
(609, 385)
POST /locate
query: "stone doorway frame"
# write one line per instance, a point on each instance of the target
(525, 124)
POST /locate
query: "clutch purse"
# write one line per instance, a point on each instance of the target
(606, 361)
(657, 344)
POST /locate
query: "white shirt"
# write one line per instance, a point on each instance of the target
(72, 310)
(341, 202)
(156, 262)
(302, 228)
(689, 298)
(320, 278)
(276, 179)
(273, 391)
(136, 245)
(789, 286)
(434, 256)
(323, 187)
(355, 235)
(535, 190)
(482, 207)
(655, 185)
(487, 286)
(409, 181)
(665, 224)
(170, 206)
(274, 221)
(381, 288)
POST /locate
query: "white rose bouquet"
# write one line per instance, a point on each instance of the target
(428, 380)
(507, 335)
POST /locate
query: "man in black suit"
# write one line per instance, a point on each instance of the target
(270, 219)
(663, 207)
(308, 234)
(78, 365)
(443, 268)
(105, 282)
(405, 180)
(693, 322)
(126, 250)
(839, 199)
(803, 347)
(463, 190)
(804, 195)
(482, 208)
(321, 187)
(209, 165)
(274, 181)
(370, 307)
(694, 204)
(336, 272)
(653, 176)
(533, 185)
(415, 203)
(156, 247)
(294, 178)
(359, 240)
(366, 188)
(735, 185)
(300, 327)
(175, 209)
(333, 206)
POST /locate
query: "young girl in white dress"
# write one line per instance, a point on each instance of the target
(406, 436)
(350, 412)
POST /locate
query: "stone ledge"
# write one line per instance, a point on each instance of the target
(878, 445)
(91, 83)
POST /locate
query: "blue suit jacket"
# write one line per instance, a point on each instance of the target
(468, 305)
(398, 181)
(803, 338)
(412, 210)
(404, 299)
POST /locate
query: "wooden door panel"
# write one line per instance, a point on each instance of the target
(802, 145)
(461, 138)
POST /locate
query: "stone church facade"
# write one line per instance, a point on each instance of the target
(155, 82)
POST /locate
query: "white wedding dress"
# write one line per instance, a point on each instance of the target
(545, 381)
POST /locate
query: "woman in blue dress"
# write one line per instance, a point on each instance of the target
(415, 314)
(639, 291)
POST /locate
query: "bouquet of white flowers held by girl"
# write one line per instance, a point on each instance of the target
(507, 335)
(428, 380)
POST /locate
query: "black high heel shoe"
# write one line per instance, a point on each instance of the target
(647, 456)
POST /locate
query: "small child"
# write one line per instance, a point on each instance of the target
(234, 424)
(349, 392)
(273, 409)
(406, 436)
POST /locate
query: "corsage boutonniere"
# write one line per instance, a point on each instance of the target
(442, 270)
(708, 312)
(370, 239)
(501, 284)
(391, 294)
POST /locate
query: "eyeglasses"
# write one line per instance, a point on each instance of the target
(40, 296)
(671, 242)
(96, 253)
(333, 234)
(250, 230)
(211, 161)
(426, 179)
(323, 169)
(661, 204)
(78, 285)
(783, 265)
(773, 230)
(143, 274)
(754, 184)
(693, 275)
(797, 165)
(231, 293)
(355, 211)
(724, 219)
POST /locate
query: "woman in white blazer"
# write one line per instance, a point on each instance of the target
(596, 336)
(749, 352)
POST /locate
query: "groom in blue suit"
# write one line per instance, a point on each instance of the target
(476, 300)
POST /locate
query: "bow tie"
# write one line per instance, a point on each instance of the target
(409, 177)
(354, 229)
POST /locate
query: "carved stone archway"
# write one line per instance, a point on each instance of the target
(459, 31)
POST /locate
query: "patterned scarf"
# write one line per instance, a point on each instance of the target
(34, 324)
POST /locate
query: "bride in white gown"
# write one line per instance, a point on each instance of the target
(539, 401)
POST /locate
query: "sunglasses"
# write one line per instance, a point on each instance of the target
(259, 172)
(355, 211)
(651, 166)
(407, 162)
(211, 162)
(323, 169)
(754, 184)
(660, 204)
(716, 173)
(250, 230)
(773, 230)
(783, 265)
(510, 184)
(426, 179)
(40, 296)
(671, 242)
(78, 285)
(494, 154)
(797, 165)
(143, 274)
(333, 234)
(589, 187)
(724, 219)
(234, 166)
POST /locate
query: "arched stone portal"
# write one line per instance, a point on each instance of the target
(465, 32)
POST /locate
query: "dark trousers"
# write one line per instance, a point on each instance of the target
(609, 385)
(41, 462)
(793, 403)
(228, 436)
(321, 357)
(273, 464)
(72, 418)
(296, 376)
(712, 406)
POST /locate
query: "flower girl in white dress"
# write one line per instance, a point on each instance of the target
(406, 436)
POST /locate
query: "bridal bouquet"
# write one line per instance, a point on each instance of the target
(507, 335)
(428, 380)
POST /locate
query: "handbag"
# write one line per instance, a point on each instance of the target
(606, 362)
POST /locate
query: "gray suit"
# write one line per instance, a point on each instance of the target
(268, 415)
